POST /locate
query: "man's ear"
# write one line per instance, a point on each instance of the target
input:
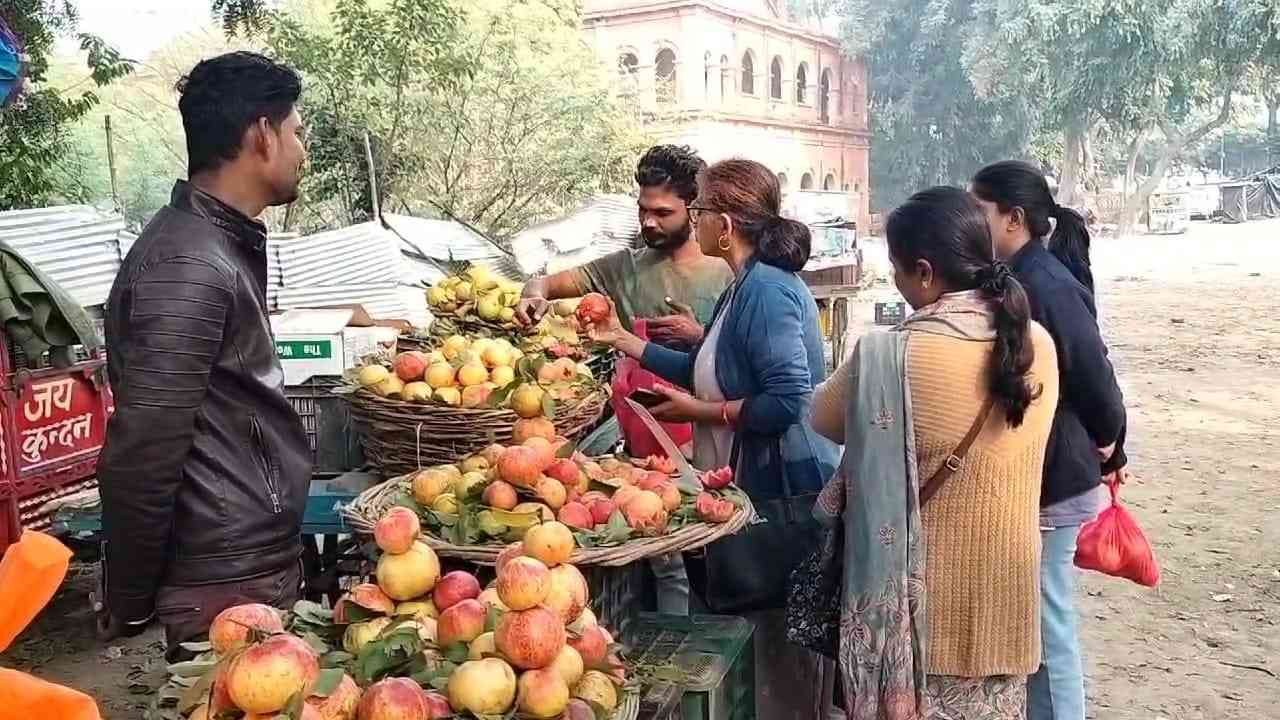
(261, 138)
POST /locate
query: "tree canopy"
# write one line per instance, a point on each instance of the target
(493, 112)
(36, 130)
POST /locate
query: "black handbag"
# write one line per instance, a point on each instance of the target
(815, 593)
(748, 571)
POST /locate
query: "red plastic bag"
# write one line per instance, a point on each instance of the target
(1113, 544)
(629, 376)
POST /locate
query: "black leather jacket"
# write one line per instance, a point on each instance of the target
(206, 465)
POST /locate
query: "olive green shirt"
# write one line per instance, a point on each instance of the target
(640, 281)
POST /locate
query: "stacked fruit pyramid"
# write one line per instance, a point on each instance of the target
(418, 645)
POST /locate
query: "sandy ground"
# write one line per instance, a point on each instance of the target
(1194, 325)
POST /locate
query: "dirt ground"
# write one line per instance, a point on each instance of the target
(1194, 325)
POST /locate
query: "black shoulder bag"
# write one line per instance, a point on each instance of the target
(815, 592)
(748, 571)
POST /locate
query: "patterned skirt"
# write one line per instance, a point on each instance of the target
(999, 697)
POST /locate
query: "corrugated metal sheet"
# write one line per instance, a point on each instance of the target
(364, 254)
(603, 225)
(381, 301)
(442, 240)
(78, 246)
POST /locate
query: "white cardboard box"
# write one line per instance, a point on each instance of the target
(324, 341)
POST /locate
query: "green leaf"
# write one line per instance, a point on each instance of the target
(491, 618)
(548, 405)
(358, 613)
(326, 682)
(336, 659)
(566, 450)
(191, 668)
(197, 647)
(311, 612)
(316, 642)
(197, 694)
(456, 652)
(294, 709)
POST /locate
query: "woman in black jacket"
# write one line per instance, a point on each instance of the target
(1086, 440)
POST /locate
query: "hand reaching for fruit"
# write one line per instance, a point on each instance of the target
(530, 310)
(599, 316)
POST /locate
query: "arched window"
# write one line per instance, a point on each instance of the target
(829, 183)
(806, 181)
(775, 78)
(802, 81)
(628, 63)
(782, 181)
(629, 68)
(748, 85)
(824, 97)
(664, 75)
(724, 76)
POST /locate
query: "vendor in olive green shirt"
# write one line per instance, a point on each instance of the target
(669, 281)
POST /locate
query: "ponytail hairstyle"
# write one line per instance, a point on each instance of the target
(1015, 184)
(944, 226)
(749, 193)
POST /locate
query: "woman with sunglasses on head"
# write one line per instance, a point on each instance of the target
(944, 420)
(752, 380)
(1051, 260)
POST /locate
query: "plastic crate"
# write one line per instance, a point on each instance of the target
(660, 702)
(715, 654)
(617, 597)
(326, 418)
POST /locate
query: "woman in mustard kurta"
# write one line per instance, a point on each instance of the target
(951, 633)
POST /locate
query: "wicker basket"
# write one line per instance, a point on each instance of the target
(400, 437)
(363, 513)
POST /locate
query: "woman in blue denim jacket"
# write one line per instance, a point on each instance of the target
(752, 379)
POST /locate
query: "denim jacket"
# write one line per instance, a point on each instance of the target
(769, 355)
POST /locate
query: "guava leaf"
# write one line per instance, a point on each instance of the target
(326, 682)
(456, 652)
(191, 668)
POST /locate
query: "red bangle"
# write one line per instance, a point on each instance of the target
(724, 413)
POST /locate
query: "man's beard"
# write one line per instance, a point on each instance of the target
(658, 240)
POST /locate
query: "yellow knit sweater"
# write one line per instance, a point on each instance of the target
(982, 571)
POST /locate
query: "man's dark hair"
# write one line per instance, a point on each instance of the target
(675, 166)
(222, 96)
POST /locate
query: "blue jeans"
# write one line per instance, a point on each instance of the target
(1056, 691)
(671, 583)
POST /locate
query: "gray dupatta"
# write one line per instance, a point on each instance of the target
(875, 499)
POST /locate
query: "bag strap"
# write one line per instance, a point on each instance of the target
(952, 464)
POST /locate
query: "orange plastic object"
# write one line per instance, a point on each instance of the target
(23, 697)
(30, 573)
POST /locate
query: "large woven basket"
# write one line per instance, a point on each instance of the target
(363, 513)
(400, 437)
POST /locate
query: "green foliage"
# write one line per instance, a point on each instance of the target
(930, 124)
(36, 131)
(491, 112)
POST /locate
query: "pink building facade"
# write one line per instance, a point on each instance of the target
(733, 78)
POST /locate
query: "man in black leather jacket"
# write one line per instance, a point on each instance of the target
(205, 469)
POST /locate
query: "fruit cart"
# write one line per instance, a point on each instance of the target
(54, 422)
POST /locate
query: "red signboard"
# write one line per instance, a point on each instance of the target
(58, 420)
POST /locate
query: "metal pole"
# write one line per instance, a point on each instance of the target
(373, 179)
(111, 162)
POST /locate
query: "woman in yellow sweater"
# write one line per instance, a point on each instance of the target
(944, 421)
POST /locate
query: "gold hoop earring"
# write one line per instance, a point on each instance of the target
(724, 243)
